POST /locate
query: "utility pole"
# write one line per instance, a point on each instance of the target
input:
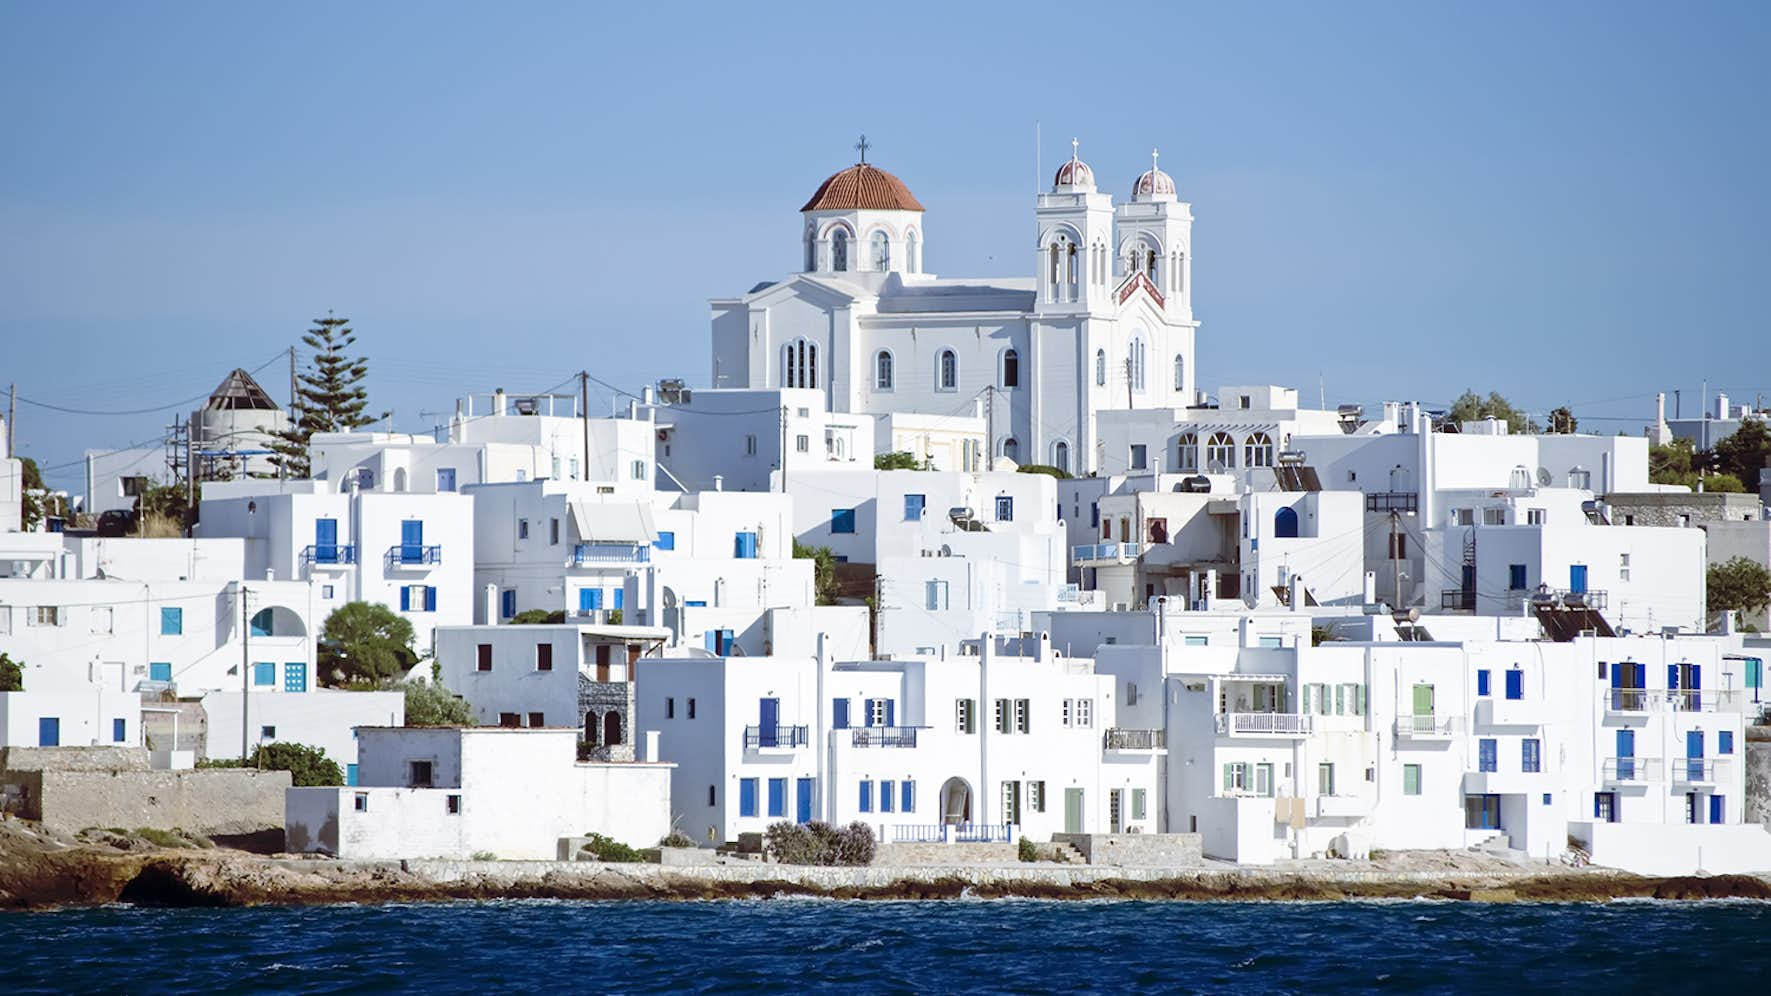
(11, 419)
(584, 417)
(1396, 558)
(282, 465)
(245, 677)
(1128, 398)
(990, 426)
(783, 449)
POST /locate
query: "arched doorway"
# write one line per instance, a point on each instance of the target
(956, 801)
(1285, 523)
(611, 728)
(591, 727)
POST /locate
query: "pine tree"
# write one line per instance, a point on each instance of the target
(329, 395)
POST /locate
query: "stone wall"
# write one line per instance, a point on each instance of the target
(599, 698)
(214, 801)
(1758, 779)
(900, 855)
(1136, 850)
(1665, 509)
(17, 759)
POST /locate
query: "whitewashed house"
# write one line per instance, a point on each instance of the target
(709, 440)
(462, 793)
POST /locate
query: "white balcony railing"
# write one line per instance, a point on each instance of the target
(1427, 727)
(1632, 770)
(1270, 723)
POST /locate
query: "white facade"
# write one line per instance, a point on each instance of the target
(732, 439)
(92, 717)
(1105, 322)
(452, 793)
(408, 551)
(1001, 745)
(534, 675)
(325, 718)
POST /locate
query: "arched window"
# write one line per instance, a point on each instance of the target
(611, 729)
(1011, 368)
(947, 371)
(1136, 368)
(1011, 448)
(811, 252)
(1100, 368)
(1285, 523)
(1181, 274)
(1061, 456)
(839, 250)
(1051, 273)
(1180, 372)
(882, 252)
(810, 367)
(1187, 452)
(882, 376)
(912, 252)
(1259, 451)
(789, 365)
(799, 364)
(1072, 273)
(592, 728)
(1220, 452)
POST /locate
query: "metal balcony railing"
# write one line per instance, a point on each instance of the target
(1693, 699)
(584, 554)
(328, 554)
(1457, 600)
(1105, 551)
(1629, 699)
(883, 736)
(1427, 726)
(413, 556)
(1118, 739)
(1392, 501)
(1284, 723)
(1699, 770)
(919, 833)
(1632, 770)
(775, 736)
(983, 833)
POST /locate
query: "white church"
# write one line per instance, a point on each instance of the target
(1106, 323)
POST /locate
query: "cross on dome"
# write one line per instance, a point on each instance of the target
(1074, 174)
(863, 145)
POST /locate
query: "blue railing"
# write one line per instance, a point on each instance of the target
(919, 833)
(776, 736)
(981, 833)
(610, 553)
(331, 553)
(413, 556)
(884, 736)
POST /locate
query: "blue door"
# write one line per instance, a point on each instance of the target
(445, 478)
(802, 809)
(777, 797)
(839, 714)
(1515, 684)
(48, 731)
(350, 774)
(1626, 753)
(326, 541)
(769, 716)
(1577, 579)
(294, 677)
(1285, 523)
(411, 541)
(1718, 810)
(1694, 755)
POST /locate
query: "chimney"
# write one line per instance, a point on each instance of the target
(650, 751)
(1721, 405)
(1296, 592)
(719, 482)
(491, 604)
(498, 401)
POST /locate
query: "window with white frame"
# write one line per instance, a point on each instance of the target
(1187, 452)
(1220, 452)
(1494, 516)
(1023, 715)
(1534, 516)
(882, 371)
(876, 711)
(43, 615)
(1623, 567)
(1236, 777)
(1085, 712)
(1036, 796)
(803, 443)
(101, 619)
(1258, 451)
(947, 371)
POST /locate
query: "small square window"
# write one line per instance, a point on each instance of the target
(326, 591)
(522, 529)
(362, 802)
(454, 805)
(267, 733)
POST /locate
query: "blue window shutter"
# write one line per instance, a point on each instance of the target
(350, 774)
(1672, 676)
(907, 790)
(1718, 809)
(665, 541)
(1482, 682)
(1725, 742)
(118, 726)
(887, 796)
(1094, 515)
(405, 599)
(839, 714)
(1696, 676)
(777, 797)
(596, 598)
(618, 593)
(160, 671)
(866, 796)
(842, 520)
(1515, 684)
(747, 797)
(171, 622)
(430, 598)
(891, 712)
(584, 599)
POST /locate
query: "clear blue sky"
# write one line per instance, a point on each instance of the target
(1563, 202)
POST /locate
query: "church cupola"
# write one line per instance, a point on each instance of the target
(1155, 231)
(1075, 240)
(1153, 184)
(1074, 176)
(863, 220)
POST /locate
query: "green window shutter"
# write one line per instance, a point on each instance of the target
(1359, 691)
(1229, 778)
(1306, 698)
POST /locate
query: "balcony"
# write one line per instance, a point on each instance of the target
(883, 736)
(1631, 771)
(1699, 772)
(1630, 700)
(329, 555)
(1511, 712)
(1135, 740)
(1428, 727)
(1098, 552)
(1343, 807)
(1514, 782)
(592, 554)
(1392, 501)
(775, 737)
(1696, 700)
(1457, 600)
(412, 556)
(1279, 724)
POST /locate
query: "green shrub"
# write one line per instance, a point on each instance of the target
(483, 856)
(609, 849)
(1027, 850)
(306, 765)
(538, 617)
(161, 838)
(676, 838)
(855, 845)
(12, 674)
(1047, 470)
(791, 844)
(819, 843)
(430, 704)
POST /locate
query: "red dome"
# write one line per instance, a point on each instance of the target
(864, 188)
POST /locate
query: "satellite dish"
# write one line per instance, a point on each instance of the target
(1543, 477)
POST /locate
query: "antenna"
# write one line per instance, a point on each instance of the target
(1038, 166)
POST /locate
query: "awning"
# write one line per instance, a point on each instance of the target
(613, 522)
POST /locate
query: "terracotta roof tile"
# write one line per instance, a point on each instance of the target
(863, 187)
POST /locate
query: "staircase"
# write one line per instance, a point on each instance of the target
(1067, 854)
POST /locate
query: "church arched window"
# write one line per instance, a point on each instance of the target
(1220, 452)
(1011, 448)
(1011, 368)
(1061, 456)
(882, 371)
(1187, 452)
(1100, 368)
(1135, 367)
(912, 252)
(799, 364)
(1259, 451)
(882, 252)
(839, 250)
(1180, 372)
(1072, 271)
(947, 371)
(1181, 273)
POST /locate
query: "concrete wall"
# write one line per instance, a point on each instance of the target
(1757, 807)
(1136, 850)
(208, 802)
(1676, 849)
(900, 855)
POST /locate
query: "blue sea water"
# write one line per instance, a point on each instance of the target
(788, 946)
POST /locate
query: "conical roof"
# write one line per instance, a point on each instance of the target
(239, 392)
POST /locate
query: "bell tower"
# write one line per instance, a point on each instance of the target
(1074, 251)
